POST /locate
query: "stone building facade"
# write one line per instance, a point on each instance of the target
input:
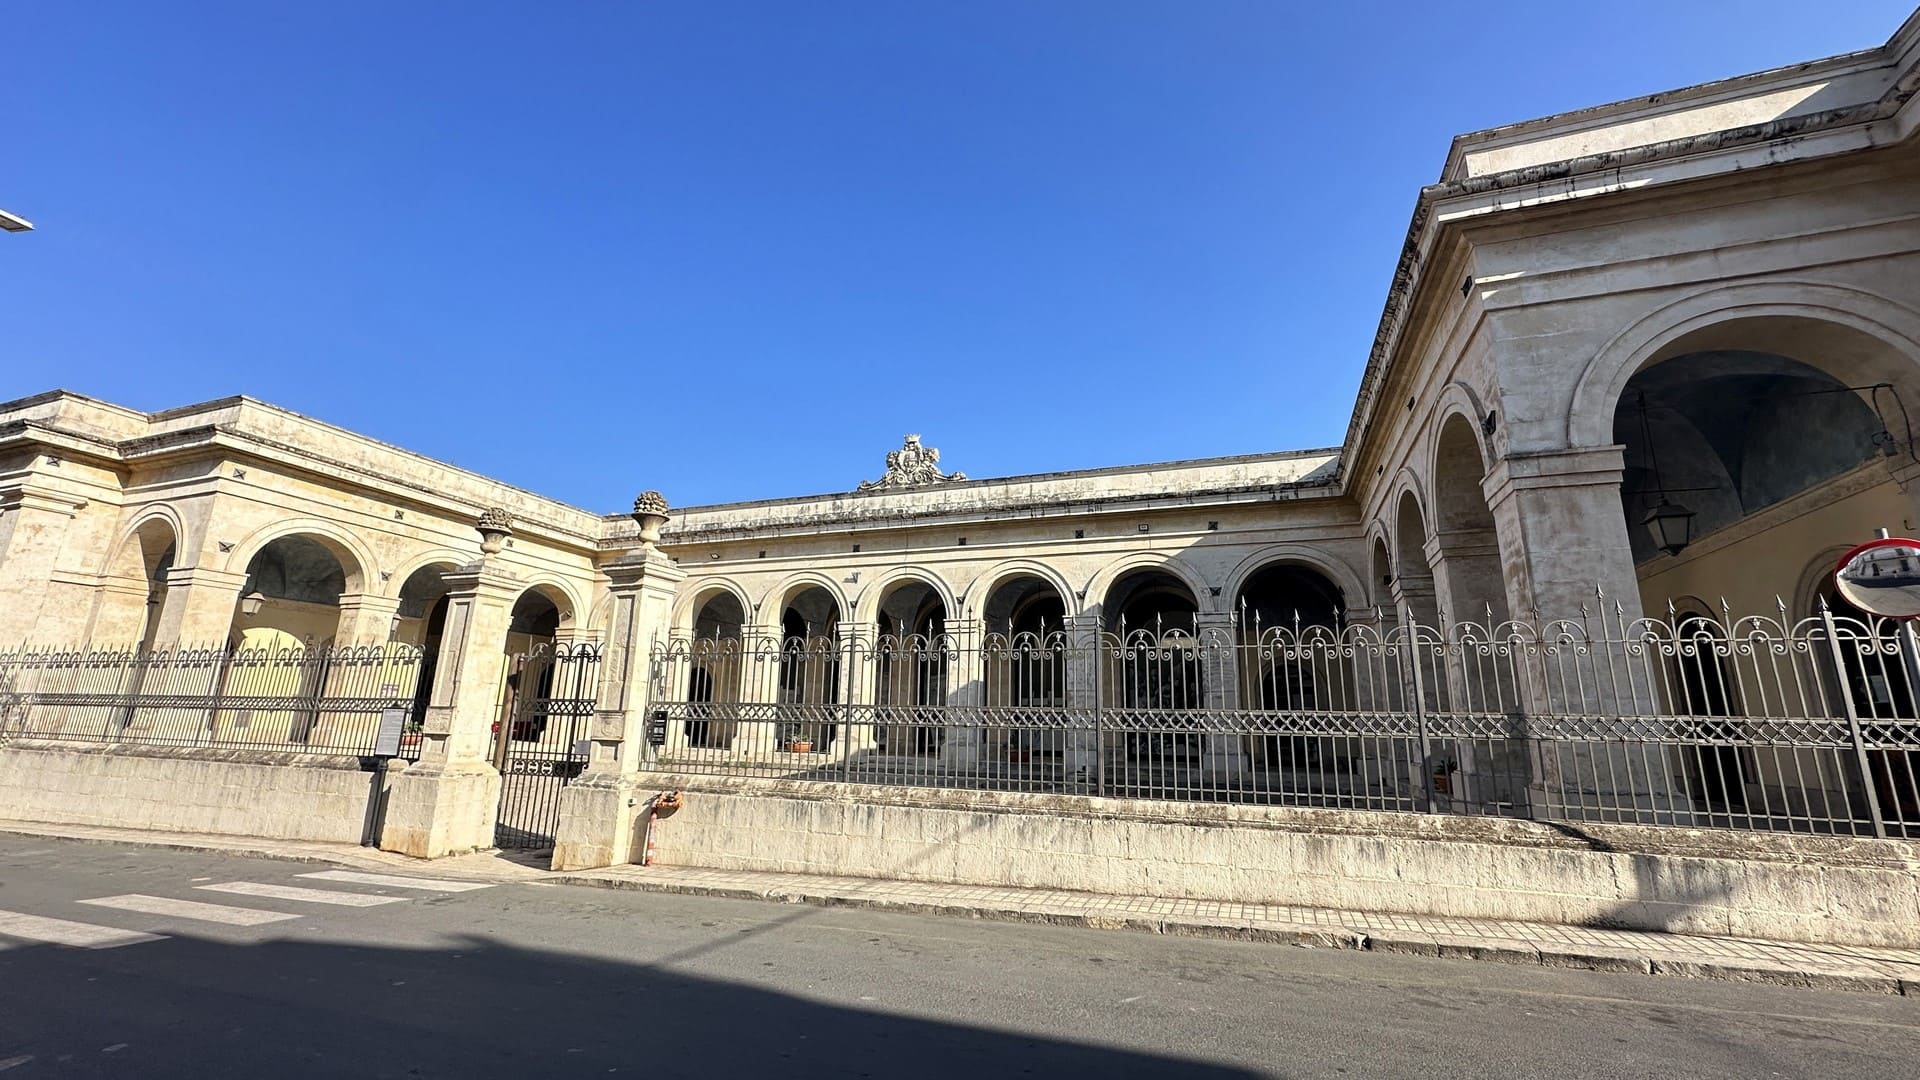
(1696, 312)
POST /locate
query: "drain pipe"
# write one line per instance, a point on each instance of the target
(660, 806)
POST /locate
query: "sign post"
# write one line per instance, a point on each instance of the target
(386, 747)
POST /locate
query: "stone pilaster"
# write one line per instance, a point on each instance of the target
(198, 606)
(964, 739)
(1085, 655)
(34, 522)
(365, 618)
(447, 801)
(1562, 534)
(1223, 758)
(599, 811)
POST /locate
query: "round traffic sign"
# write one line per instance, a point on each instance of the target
(1882, 577)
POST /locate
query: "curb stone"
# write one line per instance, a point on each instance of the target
(1447, 946)
(1586, 957)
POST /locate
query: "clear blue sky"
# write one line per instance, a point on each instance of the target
(734, 250)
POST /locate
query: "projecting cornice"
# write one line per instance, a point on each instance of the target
(1884, 120)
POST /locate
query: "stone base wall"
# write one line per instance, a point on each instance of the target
(186, 789)
(1815, 889)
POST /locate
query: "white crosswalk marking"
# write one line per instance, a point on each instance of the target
(294, 892)
(398, 882)
(192, 909)
(62, 932)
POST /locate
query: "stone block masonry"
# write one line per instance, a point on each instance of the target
(186, 789)
(1789, 888)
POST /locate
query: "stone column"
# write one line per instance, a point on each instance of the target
(857, 667)
(198, 607)
(365, 619)
(447, 801)
(599, 811)
(965, 738)
(1468, 583)
(1563, 536)
(1085, 657)
(1223, 757)
(128, 607)
(763, 656)
(34, 520)
(1565, 550)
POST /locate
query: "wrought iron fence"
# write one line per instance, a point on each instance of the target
(1753, 723)
(322, 700)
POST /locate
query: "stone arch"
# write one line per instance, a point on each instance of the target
(774, 601)
(1352, 592)
(1881, 335)
(444, 557)
(1380, 580)
(1813, 582)
(1461, 523)
(867, 607)
(1412, 572)
(1094, 599)
(356, 560)
(696, 593)
(131, 538)
(561, 595)
(1409, 547)
(974, 601)
(135, 578)
(1458, 404)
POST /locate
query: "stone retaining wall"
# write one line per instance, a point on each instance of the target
(186, 789)
(1791, 888)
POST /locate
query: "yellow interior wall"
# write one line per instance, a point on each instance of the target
(1751, 572)
(277, 619)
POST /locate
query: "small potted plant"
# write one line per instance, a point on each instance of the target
(797, 740)
(410, 735)
(1443, 770)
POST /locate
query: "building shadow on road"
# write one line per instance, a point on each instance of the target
(473, 1007)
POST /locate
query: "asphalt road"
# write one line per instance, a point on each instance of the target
(522, 980)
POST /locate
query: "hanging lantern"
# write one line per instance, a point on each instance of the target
(1671, 526)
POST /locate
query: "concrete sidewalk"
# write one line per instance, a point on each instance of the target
(1827, 967)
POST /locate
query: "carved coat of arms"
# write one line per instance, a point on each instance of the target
(912, 466)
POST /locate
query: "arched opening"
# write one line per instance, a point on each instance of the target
(717, 668)
(1024, 663)
(1154, 664)
(1287, 616)
(809, 675)
(529, 680)
(1746, 463)
(1475, 588)
(1288, 622)
(292, 594)
(421, 619)
(1701, 683)
(913, 658)
(1412, 576)
(1383, 584)
(130, 612)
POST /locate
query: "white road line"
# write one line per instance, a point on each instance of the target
(8, 1063)
(62, 932)
(398, 882)
(192, 909)
(310, 896)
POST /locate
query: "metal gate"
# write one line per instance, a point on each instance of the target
(540, 740)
